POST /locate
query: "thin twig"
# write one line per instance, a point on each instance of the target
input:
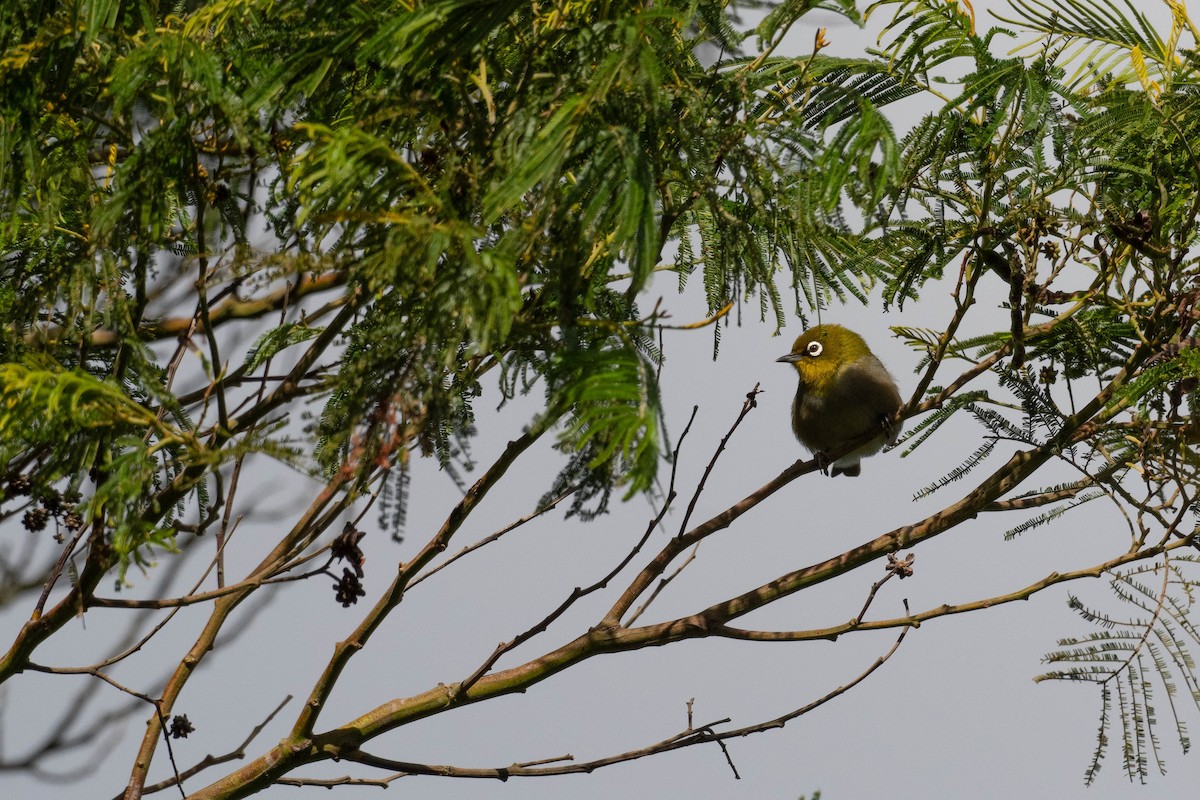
(682, 540)
(728, 758)
(94, 672)
(662, 584)
(871, 596)
(504, 647)
(56, 572)
(493, 537)
(166, 735)
(211, 761)
(748, 405)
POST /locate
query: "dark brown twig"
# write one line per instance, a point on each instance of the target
(166, 736)
(211, 761)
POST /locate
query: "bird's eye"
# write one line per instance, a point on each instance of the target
(814, 348)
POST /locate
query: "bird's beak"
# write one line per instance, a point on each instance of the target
(791, 358)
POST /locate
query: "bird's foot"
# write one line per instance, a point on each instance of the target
(889, 429)
(822, 461)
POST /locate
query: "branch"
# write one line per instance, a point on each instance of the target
(230, 309)
(505, 647)
(345, 650)
(684, 540)
(895, 567)
(1039, 499)
(688, 738)
(345, 780)
(663, 583)
(304, 748)
(297, 748)
(915, 620)
(309, 525)
(210, 760)
(550, 506)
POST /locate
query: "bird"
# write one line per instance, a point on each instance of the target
(845, 393)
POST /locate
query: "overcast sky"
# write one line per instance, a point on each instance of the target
(954, 714)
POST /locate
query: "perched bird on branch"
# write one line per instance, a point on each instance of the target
(845, 394)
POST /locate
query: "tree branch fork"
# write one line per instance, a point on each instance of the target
(610, 636)
(615, 631)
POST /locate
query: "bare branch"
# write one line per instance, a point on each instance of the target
(550, 506)
(662, 584)
(395, 593)
(1040, 499)
(917, 619)
(233, 308)
(310, 524)
(345, 780)
(684, 540)
(211, 761)
(503, 648)
(706, 734)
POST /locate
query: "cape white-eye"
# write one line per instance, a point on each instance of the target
(845, 393)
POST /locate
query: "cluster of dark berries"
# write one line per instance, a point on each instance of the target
(18, 484)
(181, 726)
(345, 548)
(348, 589)
(50, 504)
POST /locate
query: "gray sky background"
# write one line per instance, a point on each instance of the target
(954, 714)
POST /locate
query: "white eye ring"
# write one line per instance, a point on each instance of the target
(814, 349)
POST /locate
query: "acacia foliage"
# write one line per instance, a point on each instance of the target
(540, 156)
(1068, 171)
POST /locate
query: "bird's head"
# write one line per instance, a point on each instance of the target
(821, 352)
